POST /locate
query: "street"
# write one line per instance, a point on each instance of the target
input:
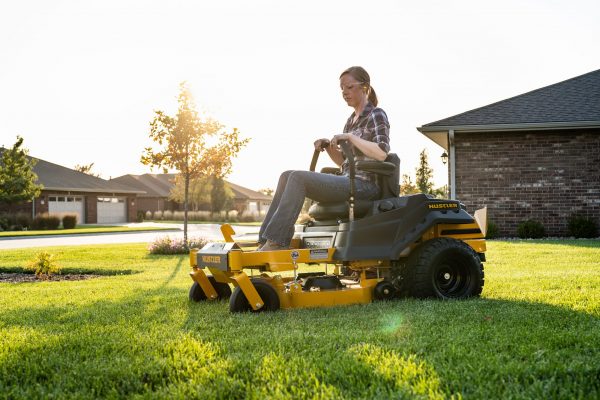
(208, 231)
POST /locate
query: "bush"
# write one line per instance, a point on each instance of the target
(69, 221)
(45, 222)
(492, 231)
(158, 215)
(531, 229)
(148, 215)
(139, 217)
(15, 222)
(165, 245)
(582, 227)
(44, 264)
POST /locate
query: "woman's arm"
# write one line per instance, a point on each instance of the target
(368, 148)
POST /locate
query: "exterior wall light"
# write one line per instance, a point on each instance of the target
(444, 158)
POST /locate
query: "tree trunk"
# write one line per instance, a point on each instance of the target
(185, 208)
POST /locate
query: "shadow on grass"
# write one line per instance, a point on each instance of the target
(155, 342)
(75, 270)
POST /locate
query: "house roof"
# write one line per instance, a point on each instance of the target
(155, 185)
(574, 103)
(159, 185)
(241, 192)
(57, 177)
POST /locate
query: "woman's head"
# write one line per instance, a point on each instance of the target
(356, 82)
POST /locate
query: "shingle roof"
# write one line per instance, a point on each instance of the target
(159, 185)
(574, 101)
(57, 177)
(155, 185)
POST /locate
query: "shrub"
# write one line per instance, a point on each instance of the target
(69, 221)
(44, 264)
(45, 222)
(166, 245)
(492, 231)
(3, 223)
(531, 229)
(158, 215)
(167, 215)
(582, 227)
(24, 220)
(148, 215)
(139, 217)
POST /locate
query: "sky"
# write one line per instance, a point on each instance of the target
(80, 80)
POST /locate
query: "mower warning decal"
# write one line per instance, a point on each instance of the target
(319, 254)
(442, 206)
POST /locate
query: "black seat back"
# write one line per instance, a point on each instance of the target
(390, 185)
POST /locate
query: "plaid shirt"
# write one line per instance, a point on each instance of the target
(372, 125)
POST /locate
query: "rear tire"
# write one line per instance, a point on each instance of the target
(239, 303)
(445, 268)
(197, 294)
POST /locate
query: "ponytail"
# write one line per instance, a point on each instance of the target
(372, 96)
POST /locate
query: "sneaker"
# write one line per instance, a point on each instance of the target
(272, 246)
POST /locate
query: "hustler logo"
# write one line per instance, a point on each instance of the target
(442, 206)
(211, 259)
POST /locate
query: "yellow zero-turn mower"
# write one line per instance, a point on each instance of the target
(369, 250)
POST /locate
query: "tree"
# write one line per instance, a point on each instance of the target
(424, 174)
(86, 169)
(198, 193)
(407, 187)
(182, 142)
(221, 196)
(17, 179)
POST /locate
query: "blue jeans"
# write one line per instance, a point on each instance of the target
(293, 187)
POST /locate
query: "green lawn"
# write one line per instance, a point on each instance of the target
(82, 230)
(535, 333)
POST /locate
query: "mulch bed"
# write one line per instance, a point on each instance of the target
(6, 277)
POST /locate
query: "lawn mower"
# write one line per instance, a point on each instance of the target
(393, 247)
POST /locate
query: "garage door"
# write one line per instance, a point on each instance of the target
(62, 205)
(111, 210)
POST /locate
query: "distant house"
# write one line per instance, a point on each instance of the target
(157, 188)
(92, 199)
(533, 156)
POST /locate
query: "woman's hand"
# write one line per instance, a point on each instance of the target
(335, 140)
(321, 144)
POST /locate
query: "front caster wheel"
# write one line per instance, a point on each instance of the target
(384, 290)
(197, 294)
(239, 303)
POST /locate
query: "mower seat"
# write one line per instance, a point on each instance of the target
(388, 180)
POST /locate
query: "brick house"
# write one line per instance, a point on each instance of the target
(157, 188)
(533, 156)
(66, 191)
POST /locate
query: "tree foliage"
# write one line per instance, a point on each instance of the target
(198, 193)
(406, 186)
(424, 174)
(221, 196)
(183, 146)
(17, 179)
(86, 169)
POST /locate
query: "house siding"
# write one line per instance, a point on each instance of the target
(546, 176)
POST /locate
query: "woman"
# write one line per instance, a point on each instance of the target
(367, 130)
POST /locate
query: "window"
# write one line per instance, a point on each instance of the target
(52, 198)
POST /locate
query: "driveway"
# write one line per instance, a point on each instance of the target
(208, 231)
